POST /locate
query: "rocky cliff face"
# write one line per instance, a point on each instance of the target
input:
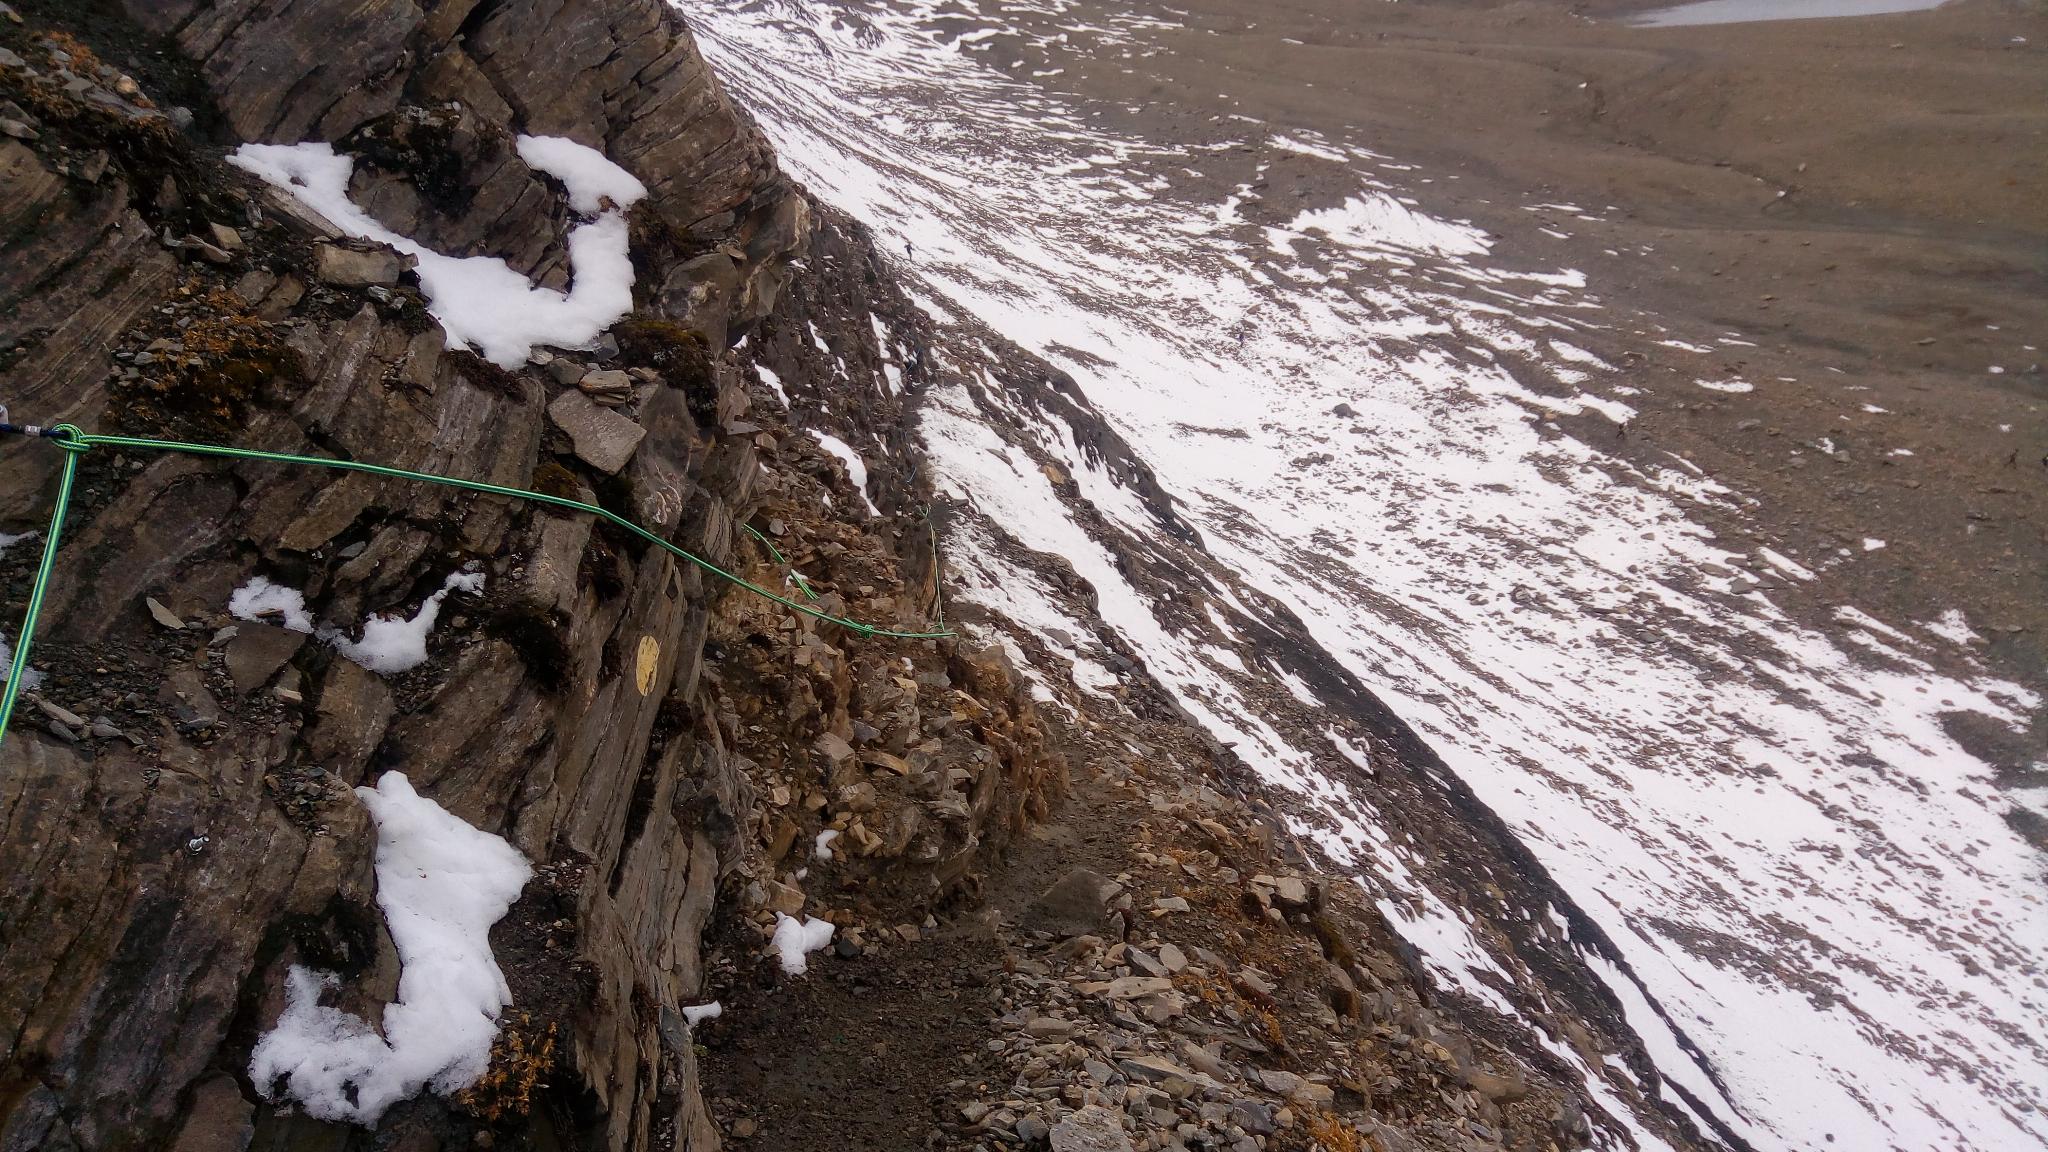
(179, 822)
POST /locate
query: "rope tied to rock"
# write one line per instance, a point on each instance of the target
(76, 442)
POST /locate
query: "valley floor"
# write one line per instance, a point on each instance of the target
(1850, 216)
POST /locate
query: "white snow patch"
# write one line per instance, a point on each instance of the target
(1785, 564)
(479, 300)
(259, 598)
(695, 1014)
(1306, 148)
(1352, 752)
(822, 848)
(1726, 385)
(795, 939)
(1872, 543)
(441, 884)
(1375, 220)
(856, 468)
(591, 179)
(394, 644)
(1953, 627)
(1864, 619)
(773, 382)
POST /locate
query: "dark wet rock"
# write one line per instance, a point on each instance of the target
(220, 1120)
(257, 652)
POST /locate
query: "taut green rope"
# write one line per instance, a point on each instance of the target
(938, 583)
(75, 443)
(19, 668)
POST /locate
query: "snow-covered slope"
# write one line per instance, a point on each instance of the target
(1833, 935)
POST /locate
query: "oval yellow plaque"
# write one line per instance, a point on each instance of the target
(643, 672)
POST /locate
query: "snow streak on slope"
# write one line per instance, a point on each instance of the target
(1812, 881)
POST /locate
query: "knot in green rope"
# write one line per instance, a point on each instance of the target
(69, 437)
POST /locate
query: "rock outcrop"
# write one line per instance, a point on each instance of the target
(179, 821)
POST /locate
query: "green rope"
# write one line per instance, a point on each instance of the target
(938, 584)
(75, 443)
(73, 449)
(789, 570)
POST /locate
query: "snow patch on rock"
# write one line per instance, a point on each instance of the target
(394, 644)
(441, 884)
(480, 300)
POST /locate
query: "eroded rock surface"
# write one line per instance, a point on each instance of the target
(196, 834)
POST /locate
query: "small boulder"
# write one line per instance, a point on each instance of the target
(783, 898)
(835, 758)
(602, 438)
(609, 387)
(1091, 1129)
(1153, 1070)
(1127, 987)
(1143, 963)
(1048, 1028)
(1297, 1088)
(257, 652)
(1075, 906)
(1291, 892)
(161, 614)
(356, 267)
(1254, 1116)
(1252, 982)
